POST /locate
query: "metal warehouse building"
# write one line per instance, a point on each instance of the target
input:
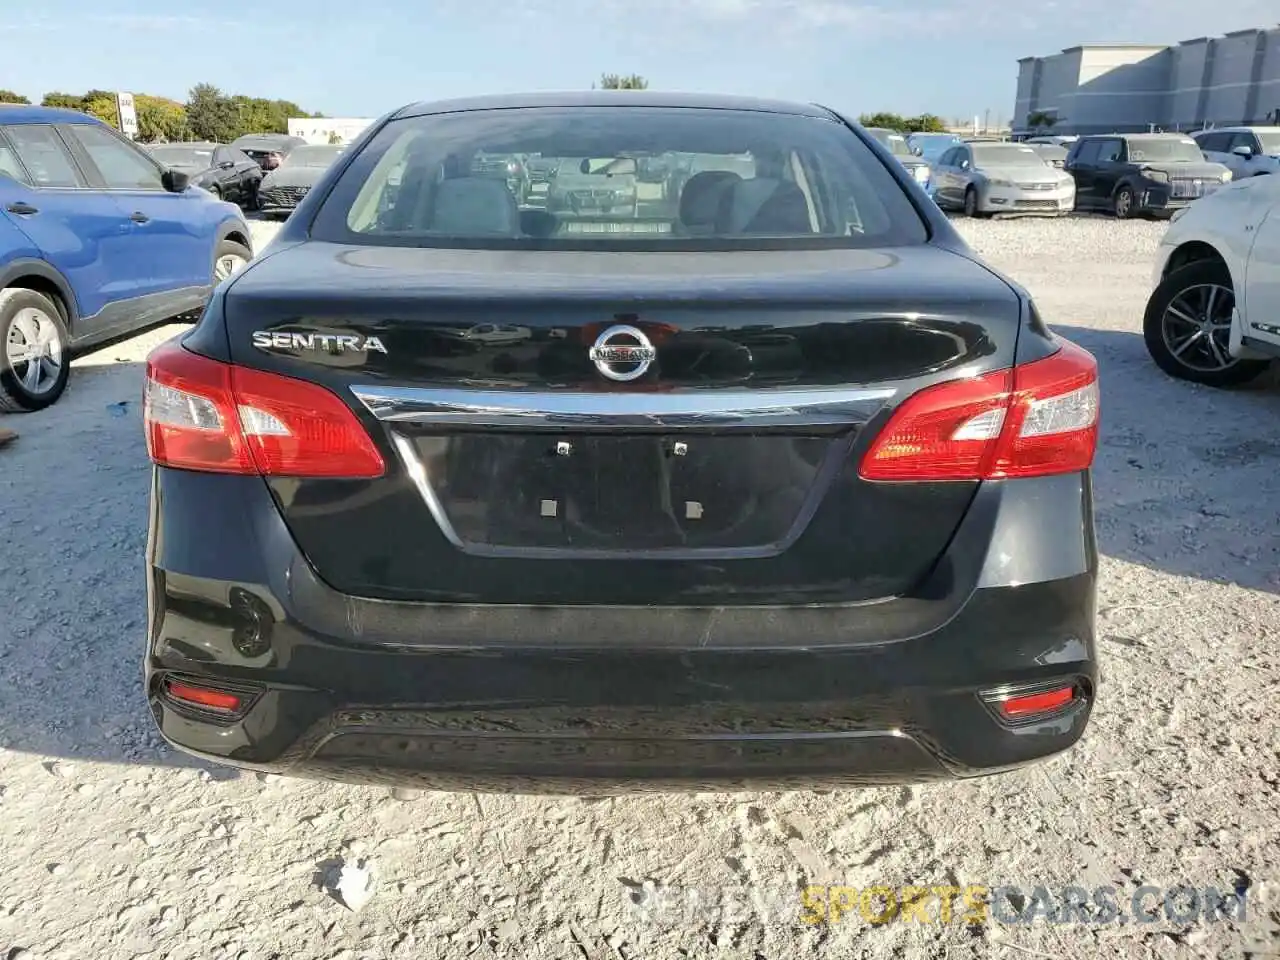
(1104, 87)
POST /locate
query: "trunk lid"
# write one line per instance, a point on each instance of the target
(519, 472)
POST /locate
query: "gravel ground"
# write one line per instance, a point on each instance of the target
(113, 846)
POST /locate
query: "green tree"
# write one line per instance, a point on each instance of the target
(891, 121)
(1042, 120)
(8, 96)
(67, 101)
(160, 118)
(613, 81)
(925, 123)
(102, 106)
(211, 115)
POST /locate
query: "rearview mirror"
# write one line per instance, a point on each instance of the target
(175, 181)
(1243, 151)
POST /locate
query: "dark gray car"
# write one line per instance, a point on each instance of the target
(284, 187)
(1133, 174)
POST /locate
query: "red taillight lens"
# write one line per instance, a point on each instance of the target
(200, 414)
(1034, 420)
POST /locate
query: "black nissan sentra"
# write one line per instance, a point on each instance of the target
(756, 476)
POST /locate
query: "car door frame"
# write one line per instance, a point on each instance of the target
(942, 175)
(1108, 173)
(190, 282)
(89, 319)
(249, 174)
(1084, 172)
(1261, 285)
(1244, 166)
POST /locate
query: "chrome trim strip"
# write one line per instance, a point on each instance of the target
(814, 407)
(418, 476)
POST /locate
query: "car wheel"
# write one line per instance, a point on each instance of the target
(971, 202)
(229, 258)
(1187, 327)
(34, 359)
(1122, 203)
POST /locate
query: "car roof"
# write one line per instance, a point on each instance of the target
(612, 98)
(189, 144)
(1257, 129)
(23, 113)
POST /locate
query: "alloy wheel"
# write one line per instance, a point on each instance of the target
(33, 349)
(1124, 204)
(227, 264)
(1196, 327)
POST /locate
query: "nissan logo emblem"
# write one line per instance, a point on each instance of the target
(622, 353)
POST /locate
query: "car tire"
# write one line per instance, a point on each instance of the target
(970, 202)
(29, 318)
(1164, 330)
(228, 258)
(1122, 202)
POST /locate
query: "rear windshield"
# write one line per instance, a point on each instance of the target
(1005, 155)
(312, 156)
(1188, 150)
(610, 177)
(184, 156)
(896, 142)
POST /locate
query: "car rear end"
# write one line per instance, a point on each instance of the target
(776, 510)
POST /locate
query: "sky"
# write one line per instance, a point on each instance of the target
(361, 58)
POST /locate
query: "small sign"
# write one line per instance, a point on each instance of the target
(127, 114)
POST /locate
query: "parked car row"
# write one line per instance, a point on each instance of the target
(98, 239)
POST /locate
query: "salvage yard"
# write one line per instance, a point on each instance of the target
(114, 846)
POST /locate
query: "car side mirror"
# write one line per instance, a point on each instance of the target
(225, 165)
(1243, 151)
(175, 181)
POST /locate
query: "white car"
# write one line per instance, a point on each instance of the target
(1246, 151)
(1214, 315)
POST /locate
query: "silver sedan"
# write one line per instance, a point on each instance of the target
(1005, 178)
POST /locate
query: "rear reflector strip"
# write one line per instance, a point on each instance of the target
(1026, 706)
(205, 698)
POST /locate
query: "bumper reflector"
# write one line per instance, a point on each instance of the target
(203, 697)
(1024, 706)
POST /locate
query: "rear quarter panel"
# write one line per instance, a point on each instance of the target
(1227, 221)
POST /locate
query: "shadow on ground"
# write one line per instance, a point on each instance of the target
(1187, 483)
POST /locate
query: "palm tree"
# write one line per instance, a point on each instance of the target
(1042, 120)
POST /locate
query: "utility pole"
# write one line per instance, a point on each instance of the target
(986, 120)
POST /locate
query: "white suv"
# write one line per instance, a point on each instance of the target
(1246, 151)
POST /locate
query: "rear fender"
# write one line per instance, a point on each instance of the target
(28, 270)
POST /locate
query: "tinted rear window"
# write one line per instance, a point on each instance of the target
(1178, 150)
(700, 179)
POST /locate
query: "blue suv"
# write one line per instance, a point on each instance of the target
(96, 240)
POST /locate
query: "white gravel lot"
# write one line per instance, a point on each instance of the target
(113, 846)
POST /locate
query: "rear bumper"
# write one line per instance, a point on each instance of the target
(592, 699)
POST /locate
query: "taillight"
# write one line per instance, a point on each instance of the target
(200, 414)
(1034, 420)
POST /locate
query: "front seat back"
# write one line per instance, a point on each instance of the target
(474, 206)
(700, 201)
(764, 205)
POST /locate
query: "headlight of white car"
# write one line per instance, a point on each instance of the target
(1226, 175)
(997, 182)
